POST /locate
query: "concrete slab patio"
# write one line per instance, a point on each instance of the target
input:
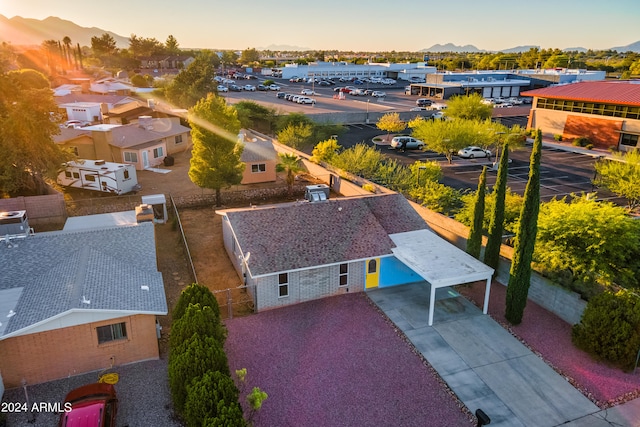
(480, 361)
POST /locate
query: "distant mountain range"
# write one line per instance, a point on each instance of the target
(450, 47)
(28, 31)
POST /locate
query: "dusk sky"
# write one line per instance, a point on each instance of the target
(401, 25)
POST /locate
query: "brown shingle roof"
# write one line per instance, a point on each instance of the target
(625, 92)
(303, 235)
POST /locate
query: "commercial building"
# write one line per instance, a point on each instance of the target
(344, 69)
(606, 112)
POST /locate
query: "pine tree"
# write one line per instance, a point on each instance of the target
(195, 294)
(492, 250)
(213, 397)
(474, 242)
(520, 274)
(196, 320)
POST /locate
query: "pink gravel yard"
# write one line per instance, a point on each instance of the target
(550, 337)
(338, 362)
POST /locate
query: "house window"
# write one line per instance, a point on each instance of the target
(261, 167)
(131, 157)
(283, 285)
(91, 178)
(157, 152)
(344, 274)
(126, 174)
(629, 140)
(178, 139)
(76, 175)
(117, 331)
(372, 267)
(67, 174)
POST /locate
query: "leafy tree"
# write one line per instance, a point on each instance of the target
(494, 241)
(621, 176)
(255, 116)
(215, 160)
(191, 360)
(468, 107)
(296, 135)
(595, 241)
(171, 45)
(513, 206)
(212, 400)
(391, 122)
(520, 274)
(360, 160)
(229, 57)
(437, 197)
(103, 46)
(195, 294)
(250, 56)
(474, 242)
(29, 155)
(293, 119)
(610, 328)
(138, 80)
(290, 165)
(51, 51)
(194, 82)
(141, 46)
(325, 151)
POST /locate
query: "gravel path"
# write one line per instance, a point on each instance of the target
(143, 397)
(550, 337)
(337, 362)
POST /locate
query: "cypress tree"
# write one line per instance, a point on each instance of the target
(474, 242)
(195, 294)
(496, 222)
(520, 273)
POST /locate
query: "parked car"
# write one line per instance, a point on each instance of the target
(263, 87)
(388, 82)
(418, 109)
(406, 142)
(75, 124)
(423, 102)
(438, 115)
(378, 94)
(274, 87)
(250, 88)
(235, 88)
(473, 152)
(280, 95)
(222, 88)
(306, 100)
(90, 405)
(357, 92)
(307, 92)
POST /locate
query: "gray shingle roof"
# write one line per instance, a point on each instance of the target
(303, 235)
(56, 270)
(256, 151)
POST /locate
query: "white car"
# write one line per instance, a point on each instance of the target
(250, 88)
(306, 100)
(378, 94)
(473, 152)
(438, 115)
(406, 142)
(388, 82)
(274, 87)
(222, 88)
(307, 92)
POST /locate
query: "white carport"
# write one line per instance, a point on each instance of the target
(440, 263)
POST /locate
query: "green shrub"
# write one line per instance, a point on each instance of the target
(369, 187)
(610, 328)
(557, 137)
(589, 146)
(213, 397)
(195, 294)
(193, 359)
(196, 320)
(581, 141)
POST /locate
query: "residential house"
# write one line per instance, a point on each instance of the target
(130, 112)
(166, 61)
(87, 107)
(144, 144)
(606, 112)
(295, 252)
(260, 159)
(78, 300)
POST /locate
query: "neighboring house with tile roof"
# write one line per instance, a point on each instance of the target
(260, 159)
(606, 112)
(144, 144)
(296, 252)
(78, 301)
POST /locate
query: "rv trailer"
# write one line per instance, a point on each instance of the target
(98, 175)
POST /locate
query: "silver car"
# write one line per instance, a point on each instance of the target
(473, 152)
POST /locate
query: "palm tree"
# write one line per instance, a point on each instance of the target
(290, 164)
(67, 44)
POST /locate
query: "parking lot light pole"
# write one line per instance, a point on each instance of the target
(367, 118)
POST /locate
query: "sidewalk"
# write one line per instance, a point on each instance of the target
(488, 368)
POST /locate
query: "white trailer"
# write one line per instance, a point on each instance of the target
(98, 175)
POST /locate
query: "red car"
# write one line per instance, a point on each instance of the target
(90, 405)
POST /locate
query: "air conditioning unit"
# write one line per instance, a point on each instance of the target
(317, 193)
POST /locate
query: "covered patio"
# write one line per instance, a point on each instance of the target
(439, 263)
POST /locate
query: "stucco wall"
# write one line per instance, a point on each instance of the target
(60, 353)
(269, 175)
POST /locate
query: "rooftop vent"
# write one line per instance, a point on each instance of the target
(99, 162)
(317, 193)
